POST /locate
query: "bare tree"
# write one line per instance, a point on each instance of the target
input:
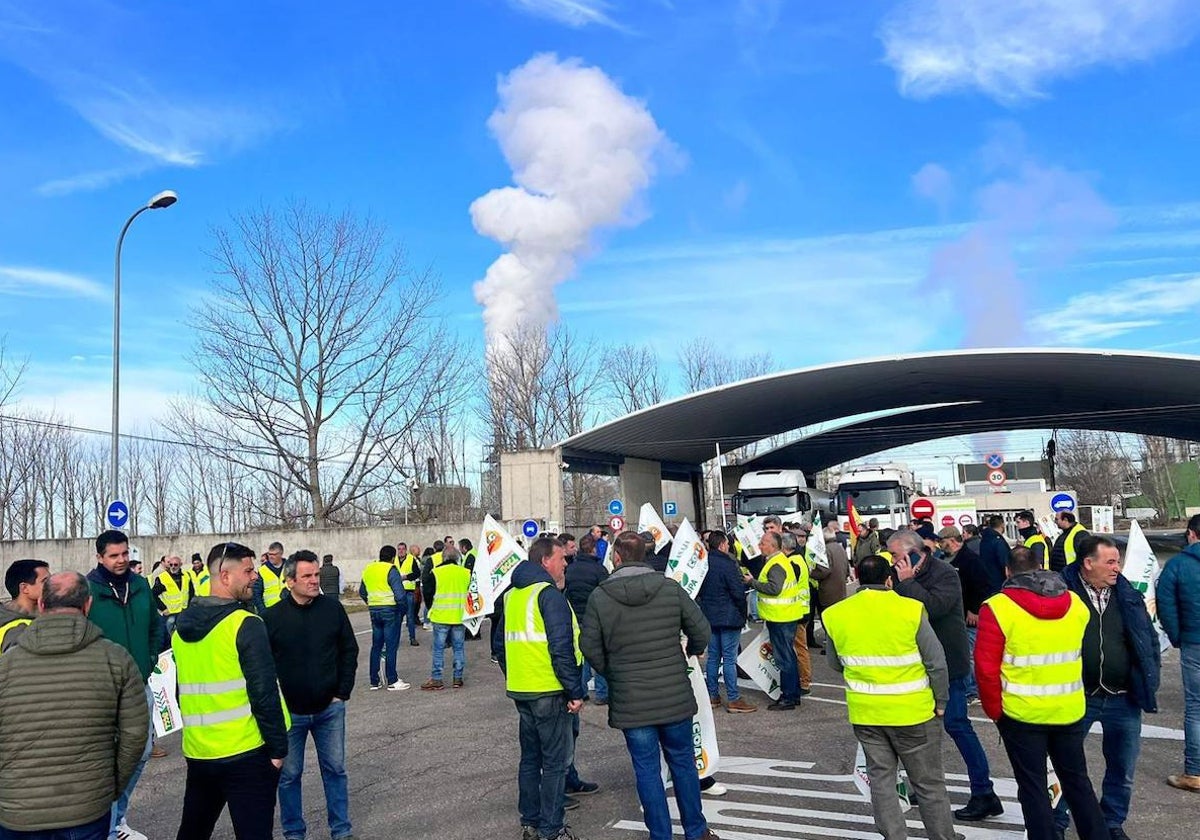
(318, 352)
(633, 376)
(705, 366)
(1093, 464)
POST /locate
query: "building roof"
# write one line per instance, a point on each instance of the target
(970, 391)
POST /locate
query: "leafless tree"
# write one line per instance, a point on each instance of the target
(1093, 464)
(318, 352)
(1158, 458)
(632, 375)
(706, 366)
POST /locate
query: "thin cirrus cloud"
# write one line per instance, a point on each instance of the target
(1011, 49)
(573, 13)
(24, 281)
(1135, 304)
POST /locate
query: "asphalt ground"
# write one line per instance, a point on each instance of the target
(443, 765)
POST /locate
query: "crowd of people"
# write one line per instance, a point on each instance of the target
(1049, 638)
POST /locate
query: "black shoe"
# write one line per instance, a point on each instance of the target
(1060, 834)
(584, 789)
(415, 643)
(804, 692)
(1116, 832)
(981, 807)
(601, 701)
(781, 706)
(530, 832)
(570, 803)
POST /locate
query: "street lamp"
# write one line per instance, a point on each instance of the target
(164, 199)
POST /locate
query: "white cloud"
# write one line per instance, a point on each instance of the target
(39, 282)
(573, 13)
(1011, 49)
(1130, 305)
(934, 183)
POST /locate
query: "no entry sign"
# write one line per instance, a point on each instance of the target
(922, 508)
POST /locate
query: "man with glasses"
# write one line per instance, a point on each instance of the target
(268, 585)
(235, 726)
(172, 590)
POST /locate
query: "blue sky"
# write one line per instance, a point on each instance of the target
(900, 176)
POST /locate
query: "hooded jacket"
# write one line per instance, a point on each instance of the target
(9, 614)
(254, 657)
(630, 636)
(1178, 593)
(583, 575)
(73, 724)
(1043, 594)
(560, 635)
(125, 611)
(722, 595)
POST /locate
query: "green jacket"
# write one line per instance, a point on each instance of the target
(73, 724)
(130, 620)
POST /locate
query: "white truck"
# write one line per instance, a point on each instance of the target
(784, 493)
(879, 491)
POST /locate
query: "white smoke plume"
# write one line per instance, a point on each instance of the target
(581, 152)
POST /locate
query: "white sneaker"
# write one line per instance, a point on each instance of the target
(399, 685)
(376, 687)
(124, 832)
(716, 790)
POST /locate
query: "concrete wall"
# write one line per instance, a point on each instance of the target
(641, 482)
(531, 486)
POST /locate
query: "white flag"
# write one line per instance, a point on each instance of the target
(688, 563)
(498, 555)
(1142, 570)
(648, 520)
(814, 551)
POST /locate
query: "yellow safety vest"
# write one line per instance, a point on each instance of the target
(16, 622)
(217, 720)
(887, 555)
(201, 582)
(1041, 674)
(405, 567)
(272, 585)
(1069, 543)
(1035, 539)
(174, 596)
(875, 634)
(450, 595)
(792, 603)
(435, 559)
(375, 579)
(525, 646)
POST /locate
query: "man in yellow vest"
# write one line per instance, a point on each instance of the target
(896, 692)
(541, 662)
(234, 722)
(1033, 538)
(409, 566)
(24, 580)
(783, 600)
(1065, 550)
(199, 576)
(446, 594)
(382, 590)
(1029, 667)
(268, 587)
(172, 590)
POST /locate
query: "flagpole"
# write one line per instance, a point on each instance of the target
(720, 485)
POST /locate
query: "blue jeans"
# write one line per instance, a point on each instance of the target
(1121, 722)
(547, 748)
(723, 648)
(1189, 662)
(385, 639)
(782, 634)
(458, 638)
(675, 742)
(409, 611)
(958, 727)
(328, 730)
(122, 804)
(97, 829)
(972, 686)
(601, 683)
(752, 604)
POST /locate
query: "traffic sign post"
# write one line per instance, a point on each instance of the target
(670, 509)
(117, 514)
(616, 523)
(922, 508)
(1062, 503)
(530, 528)
(616, 507)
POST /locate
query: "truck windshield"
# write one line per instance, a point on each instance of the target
(761, 503)
(870, 497)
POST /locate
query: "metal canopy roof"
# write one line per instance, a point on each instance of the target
(1147, 393)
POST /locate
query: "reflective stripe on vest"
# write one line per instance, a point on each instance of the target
(791, 604)
(875, 633)
(217, 719)
(16, 622)
(1069, 545)
(1041, 672)
(173, 594)
(525, 647)
(375, 581)
(450, 594)
(272, 585)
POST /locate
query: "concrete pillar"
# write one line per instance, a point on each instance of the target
(641, 482)
(531, 486)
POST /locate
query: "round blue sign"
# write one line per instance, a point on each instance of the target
(1062, 502)
(616, 507)
(530, 528)
(117, 514)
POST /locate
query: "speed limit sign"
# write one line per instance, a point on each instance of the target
(996, 478)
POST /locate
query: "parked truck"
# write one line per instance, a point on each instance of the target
(879, 491)
(784, 493)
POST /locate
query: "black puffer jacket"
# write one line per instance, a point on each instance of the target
(936, 585)
(630, 635)
(584, 574)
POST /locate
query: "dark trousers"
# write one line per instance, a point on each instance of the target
(407, 610)
(547, 749)
(1028, 745)
(246, 783)
(385, 640)
(97, 829)
(782, 635)
(1121, 723)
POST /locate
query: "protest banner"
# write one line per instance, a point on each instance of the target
(649, 521)
(863, 782)
(688, 563)
(748, 531)
(757, 660)
(498, 555)
(166, 714)
(814, 550)
(1142, 571)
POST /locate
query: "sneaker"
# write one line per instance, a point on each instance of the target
(375, 686)
(432, 685)
(457, 682)
(804, 692)
(584, 789)
(715, 702)
(715, 790)
(124, 832)
(428, 626)
(741, 707)
(530, 832)
(1184, 782)
(570, 803)
(980, 808)
(566, 833)
(972, 699)
(495, 659)
(399, 685)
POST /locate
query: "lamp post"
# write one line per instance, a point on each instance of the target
(164, 199)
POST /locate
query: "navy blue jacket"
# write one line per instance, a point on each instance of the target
(993, 557)
(560, 638)
(722, 596)
(584, 574)
(1178, 593)
(1141, 640)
